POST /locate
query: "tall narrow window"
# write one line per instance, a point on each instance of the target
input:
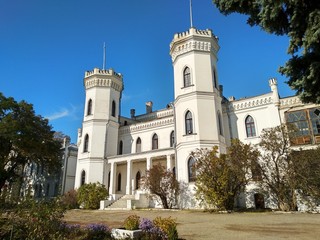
(215, 83)
(189, 123)
(155, 141)
(83, 177)
(172, 139)
(113, 111)
(138, 145)
(138, 177)
(186, 77)
(250, 128)
(191, 169)
(89, 107)
(86, 143)
(120, 148)
(220, 124)
(119, 182)
(109, 179)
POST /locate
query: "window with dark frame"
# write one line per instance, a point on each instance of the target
(89, 107)
(250, 127)
(120, 148)
(191, 170)
(172, 139)
(155, 141)
(86, 143)
(189, 123)
(83, 177)
(138, 145)
(186, 77)
(113, 111)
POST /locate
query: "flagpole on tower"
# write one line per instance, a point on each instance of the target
(104, 56)
(191, 23)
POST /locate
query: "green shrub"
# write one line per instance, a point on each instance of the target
(168, 226)
(90, 195)
(69, 200)
(132, 222)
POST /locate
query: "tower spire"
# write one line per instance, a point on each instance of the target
(191, 22)
(104, 56)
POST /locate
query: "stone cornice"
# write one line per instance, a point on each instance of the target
(146, 125)
(290, 101)
(155, 115)
(250, 103)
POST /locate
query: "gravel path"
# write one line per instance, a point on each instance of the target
(202, 225)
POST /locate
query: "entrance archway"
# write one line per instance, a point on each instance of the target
(259, 201)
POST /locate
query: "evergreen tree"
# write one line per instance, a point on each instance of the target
(300, 21)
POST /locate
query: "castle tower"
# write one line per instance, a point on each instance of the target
(98, 137)
(198, 110)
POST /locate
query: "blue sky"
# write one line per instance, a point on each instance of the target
(47, 45)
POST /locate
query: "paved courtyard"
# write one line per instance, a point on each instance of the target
(203, 225)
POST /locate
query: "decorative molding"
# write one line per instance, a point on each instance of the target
(243, 104)
(286, 102)
(147, 125)
(155, 115)
(190, 46)
(96, 82)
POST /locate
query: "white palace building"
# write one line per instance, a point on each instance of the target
(116, 150)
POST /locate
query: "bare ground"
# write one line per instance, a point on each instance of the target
(203, 225)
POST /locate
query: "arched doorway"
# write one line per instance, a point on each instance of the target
(259, 201)
(138, 177)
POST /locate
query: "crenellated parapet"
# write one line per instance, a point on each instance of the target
(290, 101)
(103, 78)
(250, 102)
(193, 40)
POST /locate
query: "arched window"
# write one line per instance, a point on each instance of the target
(155, 141)
(220, 124)
(113, 111)
(83, 177)
(215, 83)
(120, 148)
(138, 177)
(172, 139)
(191, 169)
(89, 107)
(250, 128)
(119, 182)
(186, 77)
(138, 145)
(86, 143)
(189, 123)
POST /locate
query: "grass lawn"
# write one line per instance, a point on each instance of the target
(203, 225)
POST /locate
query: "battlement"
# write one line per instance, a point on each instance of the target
(97, 71)
(193, 39)
(194, 31)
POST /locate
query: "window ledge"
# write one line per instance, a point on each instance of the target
(189, 134)
(188, 86)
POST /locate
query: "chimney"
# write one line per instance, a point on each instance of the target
(221, 90)
(149, 107)
(132, 112)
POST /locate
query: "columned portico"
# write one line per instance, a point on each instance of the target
(129, 177)
(169, 165)
(112, 178)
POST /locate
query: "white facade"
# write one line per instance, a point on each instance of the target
(116, 151)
